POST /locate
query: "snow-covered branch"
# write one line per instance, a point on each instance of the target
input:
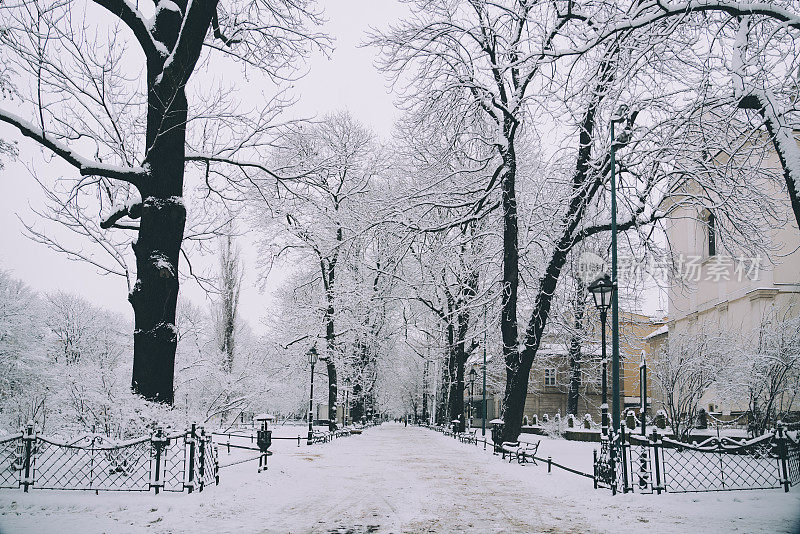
(132, 18)
(85, 166)
(653, 12)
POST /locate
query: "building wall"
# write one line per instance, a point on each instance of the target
(543, 399)
(735, 304)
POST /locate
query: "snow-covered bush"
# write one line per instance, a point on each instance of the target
(660, 420)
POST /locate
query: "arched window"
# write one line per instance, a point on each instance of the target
(711, 225)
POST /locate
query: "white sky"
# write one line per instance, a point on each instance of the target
(347, 79)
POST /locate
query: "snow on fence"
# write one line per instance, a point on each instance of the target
(629, 462)
(169, 462)
(657, 463)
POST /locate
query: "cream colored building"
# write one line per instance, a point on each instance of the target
(718, 290)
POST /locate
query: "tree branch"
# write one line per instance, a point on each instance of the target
(134, 211)
(85, 166)
(135, 21)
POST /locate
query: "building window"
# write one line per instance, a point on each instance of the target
(711, 225)
(549, 377)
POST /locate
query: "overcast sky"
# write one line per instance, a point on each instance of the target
(345, 80)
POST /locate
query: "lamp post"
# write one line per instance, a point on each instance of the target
(619, 116)
(643, 391)
(483, 406)
(472, 375)
(602, 290)
(312, 360)
(346, 401)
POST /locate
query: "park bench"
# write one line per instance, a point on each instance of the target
(523, 450)
(320, 437)
(470, 436)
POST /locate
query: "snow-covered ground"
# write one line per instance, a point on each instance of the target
(400, 479)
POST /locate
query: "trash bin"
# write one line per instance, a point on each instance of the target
(497, 433)
(263, 435)
(456, 425)
(263, 438)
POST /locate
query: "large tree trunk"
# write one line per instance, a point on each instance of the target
(457, 386)
(425, 376)
(332, 393)
(443, 402)
(576, 340)
(516, 375)
(163, 217)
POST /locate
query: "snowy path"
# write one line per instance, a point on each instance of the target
(388, 480)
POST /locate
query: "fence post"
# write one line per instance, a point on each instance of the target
(612, 461)
(625, 455)
(549, 464)
(157, 441)
(216, 466)
(202, 465)
(656, 465)
(28, 440)
(783, 451)
(192, 440)
(594, 471)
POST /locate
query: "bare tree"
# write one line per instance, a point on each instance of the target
(230, 278)
(490, 62)
(84, 94)
(683, 372)
(321, 215)
(763, 370)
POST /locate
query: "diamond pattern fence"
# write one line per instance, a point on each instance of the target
(793, 462)
(717, 466)
(656, 463)
(11, 461)
(93, 462)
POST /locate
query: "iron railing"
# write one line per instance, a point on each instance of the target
(169, 462)
(656, 463)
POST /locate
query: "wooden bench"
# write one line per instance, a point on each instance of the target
(523, 450)
(320, 437)
(470, 437)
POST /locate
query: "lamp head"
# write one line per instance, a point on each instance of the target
(601, 290)
(312, 355)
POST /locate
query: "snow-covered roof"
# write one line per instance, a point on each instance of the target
(593, 349)
(657, 332)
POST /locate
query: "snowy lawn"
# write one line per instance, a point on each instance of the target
(400, 479)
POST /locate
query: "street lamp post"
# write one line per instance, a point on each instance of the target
(312, 359)
(472, 375)
(643, 391)
(483, 406)
(619, 116)
(346, 401)
(602, 290)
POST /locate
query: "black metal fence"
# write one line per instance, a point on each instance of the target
(655, 463)
(169, 462)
